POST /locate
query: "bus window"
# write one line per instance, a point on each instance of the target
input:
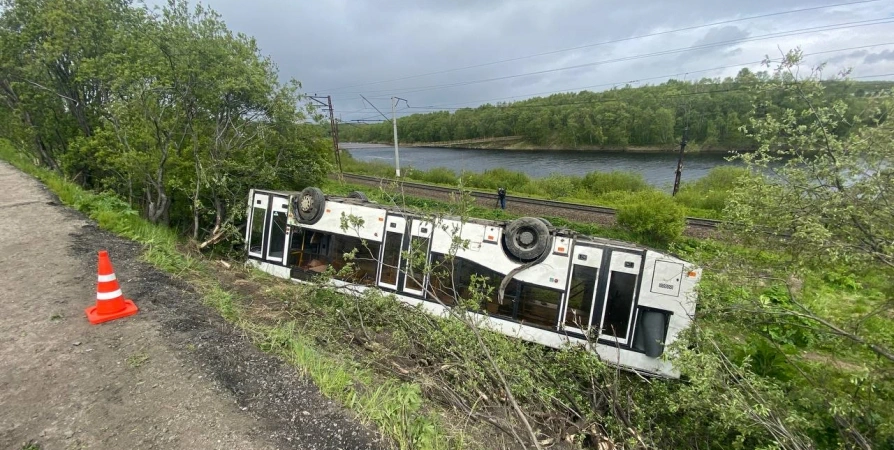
(364, 260)
(510, 295)
(391, 258)
(256, 239)
(277, 243)
(309, 250)
(416, 264)
(619, 304)
(538, 306)
(580, 296)
(452, 279)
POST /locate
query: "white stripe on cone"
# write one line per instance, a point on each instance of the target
(106, 278)
(108, 295)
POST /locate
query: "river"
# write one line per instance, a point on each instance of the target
(656, 168)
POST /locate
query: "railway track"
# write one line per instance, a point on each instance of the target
(527, 205)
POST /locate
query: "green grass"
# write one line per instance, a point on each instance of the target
(137, 360)
(703, 198)
(738, 284)
(394, 406)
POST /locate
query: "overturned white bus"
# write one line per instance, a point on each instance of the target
(624, 302)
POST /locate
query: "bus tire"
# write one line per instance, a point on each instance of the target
(526, 238)
(359, 196)
(310, 205)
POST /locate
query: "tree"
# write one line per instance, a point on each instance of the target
(166, 107)
(821, 193)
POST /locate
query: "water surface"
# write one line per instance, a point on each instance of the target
(657, 168)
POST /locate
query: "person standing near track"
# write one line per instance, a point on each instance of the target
(501, 195)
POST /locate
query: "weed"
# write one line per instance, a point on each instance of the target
(136, 360)
(56, 317)
(31, 445)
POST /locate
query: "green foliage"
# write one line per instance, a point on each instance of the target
(653, 215)
(642, 117)
(829, 195)
(437, 175)
(166, 108)
(495, 178)
(397, 408)
(711, 192)
(756, 374)
(704, 198)
(598, 183)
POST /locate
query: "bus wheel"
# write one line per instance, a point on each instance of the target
(311, 204)
(526, 238)
(359, 196)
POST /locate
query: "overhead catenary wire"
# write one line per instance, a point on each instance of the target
(445, 107)
(833, 27)
(662, 96)
(613, 41)
(449, 106)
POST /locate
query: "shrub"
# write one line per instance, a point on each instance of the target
(558, 186)
(494, 178)
(654, 215)
(712, 191)
(602, 182)
(437, 175)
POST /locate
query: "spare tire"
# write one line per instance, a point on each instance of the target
(359, 196)
(526, 238)
(309, 205)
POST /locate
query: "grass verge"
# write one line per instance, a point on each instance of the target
(394, 406)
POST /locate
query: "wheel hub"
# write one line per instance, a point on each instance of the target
(307, 202)
(526, 238)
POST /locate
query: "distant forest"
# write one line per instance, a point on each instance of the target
(647, 116)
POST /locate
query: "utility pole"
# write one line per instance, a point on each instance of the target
(394, 101)
(333, 126)
(679, 171)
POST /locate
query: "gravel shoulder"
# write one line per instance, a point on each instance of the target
(175, 375)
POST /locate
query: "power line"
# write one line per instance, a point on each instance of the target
(639, 80)
(832, 27)
(614, 41)
(664, 96)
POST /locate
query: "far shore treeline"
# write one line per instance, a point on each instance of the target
(646, 118)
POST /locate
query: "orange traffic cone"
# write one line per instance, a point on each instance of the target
(110, 302)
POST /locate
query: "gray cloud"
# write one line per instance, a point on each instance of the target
(331, 46)
(883, 56)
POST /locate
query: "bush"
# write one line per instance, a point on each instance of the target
(602, 182)
(653, 215)
(712, 191)
(494, 178)
(437, 175)
(558, 186)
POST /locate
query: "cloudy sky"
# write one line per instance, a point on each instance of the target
(441, 53)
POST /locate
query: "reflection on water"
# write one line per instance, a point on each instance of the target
(656, 168)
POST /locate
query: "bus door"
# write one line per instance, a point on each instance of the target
(389, 257)
(618, 294)
(277, 238)
(256, 230)
(580, 303)
(415, 278)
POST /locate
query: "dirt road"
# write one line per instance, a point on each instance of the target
(173, 376)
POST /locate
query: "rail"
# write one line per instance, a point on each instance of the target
(693, 222)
